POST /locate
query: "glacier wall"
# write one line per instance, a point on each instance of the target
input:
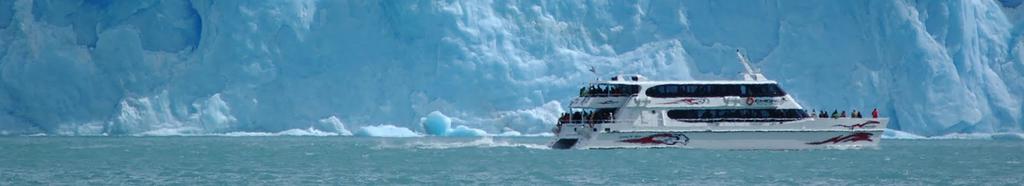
(103, 67)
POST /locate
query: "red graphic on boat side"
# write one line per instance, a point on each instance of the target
(861, 125)
(859, 136)
(663, 138)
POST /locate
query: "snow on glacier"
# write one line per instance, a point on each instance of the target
(221, 66)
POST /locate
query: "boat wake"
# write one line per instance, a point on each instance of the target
(483, 142)
(896, 134)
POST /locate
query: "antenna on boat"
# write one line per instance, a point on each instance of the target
(750, 74)
(594, 71)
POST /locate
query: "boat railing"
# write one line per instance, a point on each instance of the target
(593, 121)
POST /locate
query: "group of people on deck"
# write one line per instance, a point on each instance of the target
(593, 90)
(842, 114)
(587, 117)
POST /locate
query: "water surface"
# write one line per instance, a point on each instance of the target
(354, 160)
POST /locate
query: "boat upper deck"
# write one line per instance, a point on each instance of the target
(635, 91)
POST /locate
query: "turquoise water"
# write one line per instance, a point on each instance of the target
(369, 161)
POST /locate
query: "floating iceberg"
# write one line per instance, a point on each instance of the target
(437, 124)
(386, 131)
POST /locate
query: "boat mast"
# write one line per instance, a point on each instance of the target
(750, 74)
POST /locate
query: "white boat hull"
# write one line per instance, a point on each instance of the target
(810, 134)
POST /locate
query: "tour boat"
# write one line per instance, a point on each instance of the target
(628, 111)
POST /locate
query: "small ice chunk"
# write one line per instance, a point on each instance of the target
(385, 131)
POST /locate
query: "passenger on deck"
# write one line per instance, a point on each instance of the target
(823, 114)
(590, 117)
(835, 114)
(842, 115)
(586, 118)
(874, 113)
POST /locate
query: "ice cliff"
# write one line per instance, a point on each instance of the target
(94, 67)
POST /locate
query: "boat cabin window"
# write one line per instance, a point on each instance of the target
(628, 78)
(609, 90)
(721, 115)
(603, 115)
(714, 90)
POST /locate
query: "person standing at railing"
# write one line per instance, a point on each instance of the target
(874, 113)
(586, 118)
(590, 117)
(611, 117)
